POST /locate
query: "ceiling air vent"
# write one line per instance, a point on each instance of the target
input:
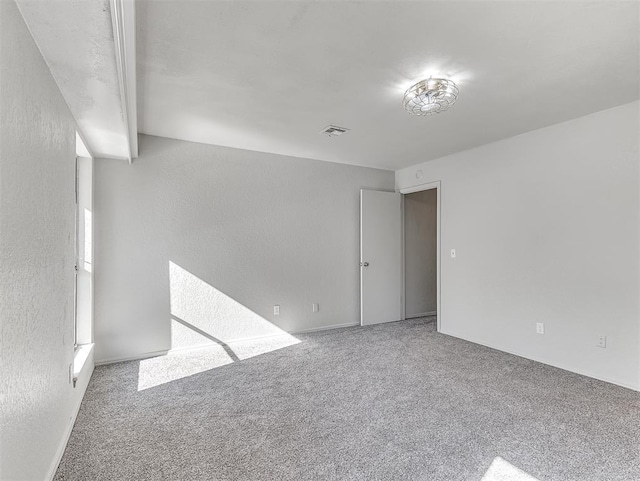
(333, 131)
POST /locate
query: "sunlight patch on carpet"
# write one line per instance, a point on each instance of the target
(183, 363)
(502, 470)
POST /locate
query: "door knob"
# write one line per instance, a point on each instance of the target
(364, 264)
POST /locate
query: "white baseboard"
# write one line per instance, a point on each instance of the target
(230, 342)
(422, 314)
(81, 384)
(543, 361)
(138, 357)
(327, 328)
(148, 355)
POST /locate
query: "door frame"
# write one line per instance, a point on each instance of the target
(410, 190)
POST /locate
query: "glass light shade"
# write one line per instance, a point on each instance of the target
(430, 96)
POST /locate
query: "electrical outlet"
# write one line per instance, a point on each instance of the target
(315, 307)
(540, 327)
(602, 341)
(453, 253)
(276, 310)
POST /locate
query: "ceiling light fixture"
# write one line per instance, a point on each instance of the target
(430, 96)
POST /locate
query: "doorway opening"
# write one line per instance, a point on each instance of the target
(421, 251)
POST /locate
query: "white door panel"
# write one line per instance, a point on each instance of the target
(380, 257)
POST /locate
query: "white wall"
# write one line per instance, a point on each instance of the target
(420, 252)
(225, 230)
(546, 229)
(37, 158)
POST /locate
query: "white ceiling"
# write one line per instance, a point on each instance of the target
(76, 40)
(267, 76)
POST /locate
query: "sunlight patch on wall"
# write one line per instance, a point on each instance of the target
(501, 470)
(211, 315)
(208, 330)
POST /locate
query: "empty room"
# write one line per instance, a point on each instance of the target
(319, 240)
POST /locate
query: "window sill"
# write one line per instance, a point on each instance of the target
(80, 359)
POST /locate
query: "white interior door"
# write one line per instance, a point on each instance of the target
(380, 257)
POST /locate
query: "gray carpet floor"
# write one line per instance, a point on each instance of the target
(390, 402)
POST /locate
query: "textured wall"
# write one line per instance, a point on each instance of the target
(37, 151)
(420, 244)
(546, 229)
(241, 230)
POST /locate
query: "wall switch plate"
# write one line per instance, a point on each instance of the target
(453, 253)
(276, 310)
(540, 327)
(602, 341)
(315, 307)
